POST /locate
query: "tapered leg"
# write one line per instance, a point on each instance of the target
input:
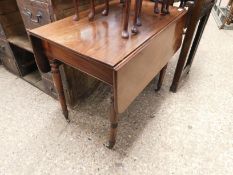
(197, 39)
(161, 78)
(92, 13)
(125, 33)
(113, 125)
(58, 84)
(106, 10)
(76, 6)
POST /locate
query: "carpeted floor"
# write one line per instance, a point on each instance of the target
(187, 133)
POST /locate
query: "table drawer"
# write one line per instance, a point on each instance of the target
(35, 13)
(5, 49)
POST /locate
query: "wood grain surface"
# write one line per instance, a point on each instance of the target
(100, 40)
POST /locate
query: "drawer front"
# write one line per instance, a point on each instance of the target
(49, 86)
(2, 33)
(35, 13)
(5, 49)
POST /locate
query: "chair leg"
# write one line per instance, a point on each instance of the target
(161, 78)
(59, 87)
(76, 5)
(156, 7)
(106, 10)
(92, 13)
(125, 33)
(136, 16)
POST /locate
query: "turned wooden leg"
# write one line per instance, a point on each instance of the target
(161, 78)
(58, 84)
(92, 13)
(156, 7)
(125, 33)
(106, 10)
(76, 6)
(113, 125)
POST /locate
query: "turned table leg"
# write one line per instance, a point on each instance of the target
(76, 5)
(92, 13)
(161, 78)
(125, 33)
(113, 125)
(106, 10)
(58, 84)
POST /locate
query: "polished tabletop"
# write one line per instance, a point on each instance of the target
(101, 40)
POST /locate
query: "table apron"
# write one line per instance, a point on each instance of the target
(94, 69)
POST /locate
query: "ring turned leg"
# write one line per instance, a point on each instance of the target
(113, 126)
(58, 84)
(125, 33)
(161, 78)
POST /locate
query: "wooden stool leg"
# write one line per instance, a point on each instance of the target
(161, 78)
(106, 10)
(92, 13)
(58, 84)
(113, 126)
(125, 33)
(76, 5)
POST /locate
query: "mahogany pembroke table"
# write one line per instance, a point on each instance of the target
(96, 48)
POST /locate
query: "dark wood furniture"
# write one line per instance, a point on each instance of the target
(11, 26)
(96, 49)
(17, 55)
(199, 15)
